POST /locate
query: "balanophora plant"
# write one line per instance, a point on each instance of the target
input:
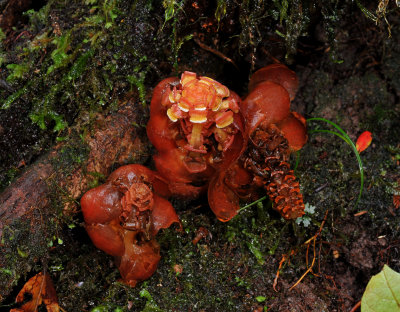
(208, 140)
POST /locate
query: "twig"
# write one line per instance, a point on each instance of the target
(277, 273)
(360, 213)
(274, 59)
(321, 187)
(284, 258)
(312, 239)
(358, 304)
(252, 204)
(217, 53)
(26, 33)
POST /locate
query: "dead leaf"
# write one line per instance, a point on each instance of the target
(41, 289)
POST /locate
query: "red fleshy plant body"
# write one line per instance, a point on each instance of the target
(207, 139)
(181, 161)
(123, 216)
(266, 110)
(192, 169)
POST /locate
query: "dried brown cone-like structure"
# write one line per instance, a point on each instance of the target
(267, 158)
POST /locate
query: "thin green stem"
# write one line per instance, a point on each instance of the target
(343, 135)
(252, 204)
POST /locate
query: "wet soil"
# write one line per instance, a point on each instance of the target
(348, 75)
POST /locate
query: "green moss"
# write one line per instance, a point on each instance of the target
(137, 80)
(172, 10)
(151, 305)
(250, 12)
(171, 7)
(80, 66)
(73, 154)
(17, 71)
(24, 244)
(220, 11)
(38, 18)
(296, 26)
(69, 63)
(13, 97)
(282, 7)
(59, 55)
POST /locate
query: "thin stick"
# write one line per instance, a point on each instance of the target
(217, 53)
(252, 204)
(274, 59)
(277, 273)
(306, 272)
(312, 239)
(358, 304)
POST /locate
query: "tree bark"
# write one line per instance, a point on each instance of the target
(114, 141)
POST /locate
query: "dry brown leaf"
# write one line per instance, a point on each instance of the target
(41, 289)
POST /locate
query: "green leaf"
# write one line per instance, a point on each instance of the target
(261, 298)
(2, 35)
(382, 292)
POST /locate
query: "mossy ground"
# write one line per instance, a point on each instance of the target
(81, 58)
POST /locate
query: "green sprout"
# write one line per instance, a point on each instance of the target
(306, 219)
(261, 299)
(343, 135)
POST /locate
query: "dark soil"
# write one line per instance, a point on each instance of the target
(348, 67)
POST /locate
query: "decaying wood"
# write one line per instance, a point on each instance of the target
(113, 142)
